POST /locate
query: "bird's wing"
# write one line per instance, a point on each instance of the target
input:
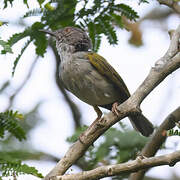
(107, 70)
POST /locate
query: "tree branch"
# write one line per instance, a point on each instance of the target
(163, 67)
(112, 170)
(172, 4)
(23, 84)
(157, 140)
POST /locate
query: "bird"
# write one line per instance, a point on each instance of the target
(90, 77)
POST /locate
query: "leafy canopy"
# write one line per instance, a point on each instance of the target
(97, 17)
(10, 126)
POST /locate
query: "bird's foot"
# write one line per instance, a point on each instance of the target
(140, 157)
(99, 115)
(114, 108)
(98, 112)
(96, 125)
(81, 137)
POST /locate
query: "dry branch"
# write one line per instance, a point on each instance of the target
(157, 140)
(23, 84)
(163, 67)
(112, 170)
(172, 4)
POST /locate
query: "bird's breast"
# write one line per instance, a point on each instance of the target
(85, 82)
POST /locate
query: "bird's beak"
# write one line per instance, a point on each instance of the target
(48, 32)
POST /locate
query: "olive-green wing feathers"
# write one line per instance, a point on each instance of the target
(139, 121)
(107, 70)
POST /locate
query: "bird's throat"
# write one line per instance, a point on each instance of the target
(65, 51)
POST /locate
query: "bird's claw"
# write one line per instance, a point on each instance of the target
(114, 108)
(140, 157)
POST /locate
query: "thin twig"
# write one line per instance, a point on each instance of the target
(172, 4)
(13, 96)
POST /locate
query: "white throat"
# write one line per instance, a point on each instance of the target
(64, 51)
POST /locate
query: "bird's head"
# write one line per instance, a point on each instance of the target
(71, 38)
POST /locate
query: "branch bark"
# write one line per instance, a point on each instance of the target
(172, 4)
(163, 67)
(112, 170)
(23, 84)
(157, 140)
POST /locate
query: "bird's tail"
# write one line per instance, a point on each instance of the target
(142, 124)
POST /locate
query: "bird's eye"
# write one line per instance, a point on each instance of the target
(67, 30)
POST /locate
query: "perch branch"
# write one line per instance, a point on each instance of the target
(163, 67)
(112, 170)
(157, 140)
(172, 4)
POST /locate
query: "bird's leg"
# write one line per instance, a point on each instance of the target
(140, 157)
(114, 108)
(99, 114)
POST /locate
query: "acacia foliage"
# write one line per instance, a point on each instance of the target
(10, 127)
(97, 17)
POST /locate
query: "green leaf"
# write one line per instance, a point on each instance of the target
(26, 3)
(19, 56)
(10, 168)
(49, 7)
(117, 19)
(40, 40)
(40, 2)
(3, 23)
(18, 36)
(126, 10)
(33, 12)
(143, 1)
(9, 121)
(120, 146)
(61, 16)
(6, 47)
(97, 42)
(4, 86)
(128, 144)
(108, 30)
(6, 3)
(21, 154)
(117, 145)
(95, 37)
(125, 140)
(75, 136)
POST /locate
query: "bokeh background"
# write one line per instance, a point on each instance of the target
(33, 90)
